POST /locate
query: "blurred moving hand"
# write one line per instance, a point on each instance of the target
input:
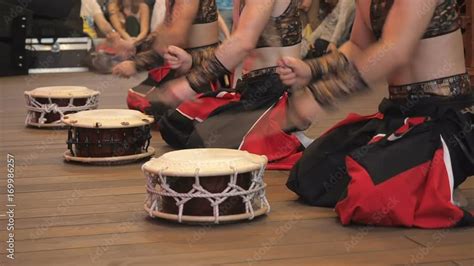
(178, 59)
(294, 72)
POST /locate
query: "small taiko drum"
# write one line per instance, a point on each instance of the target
(206, 186)
(108, 136)
(47, 105)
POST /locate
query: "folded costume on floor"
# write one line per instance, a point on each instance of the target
(398, 167)
(247, 118)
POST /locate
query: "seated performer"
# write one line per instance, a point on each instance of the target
(252, 117)
(92, 15)
(188, 24)
(130, 18)
(334, 30)
(401, 165)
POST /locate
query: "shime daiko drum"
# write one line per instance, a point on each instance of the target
(206, 186)
(108, 136)
(47, 105)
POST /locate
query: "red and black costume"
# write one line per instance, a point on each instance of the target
(249, 117)
(398, 167)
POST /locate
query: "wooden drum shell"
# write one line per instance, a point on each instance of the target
(110, 142)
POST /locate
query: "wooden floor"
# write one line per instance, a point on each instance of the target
(70, 214)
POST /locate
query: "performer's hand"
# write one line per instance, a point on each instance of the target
(112, 37)
(178, 59)
(294, 72)
(126, 69)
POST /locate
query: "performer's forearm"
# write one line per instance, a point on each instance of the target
(233, 51)
(351, 50)
(146, 60)
(144, 21)
(103, 25)
(226, 58)
(374, 63)
(336, 76)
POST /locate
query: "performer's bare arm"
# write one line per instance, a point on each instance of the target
(361, 37)
(243, 40)
(375, 60)
(405, 25)
(144, 11)
(114, 11)
(175, 30)
(223, 26)
(105, 27)
(228, 55)
(238, 45)
(124, 48)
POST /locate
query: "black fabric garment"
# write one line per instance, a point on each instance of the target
(257, 95)
(227, 125)
(321, 178)
(319, 49)
(132, 26)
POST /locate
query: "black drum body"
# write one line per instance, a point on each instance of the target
(109, 142)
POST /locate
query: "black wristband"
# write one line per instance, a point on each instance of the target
(147, 60)
(337, 86)
(328, 64)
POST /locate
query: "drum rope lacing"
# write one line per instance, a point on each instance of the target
(35, 106)
(256, 190)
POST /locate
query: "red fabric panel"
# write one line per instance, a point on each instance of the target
(202, 106)
(159, 73)
(137, 102)
(285, 163)
(418, 197)
(267, 138)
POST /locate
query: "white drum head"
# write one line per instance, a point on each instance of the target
(108, 118)
(209, 162)
(62, 92)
